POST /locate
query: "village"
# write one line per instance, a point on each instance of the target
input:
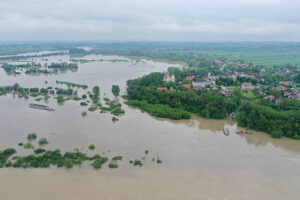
(232, 76)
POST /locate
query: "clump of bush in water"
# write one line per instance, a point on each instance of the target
(39, 151)
(136, 162)
(99, 104)
(4, 155)
(43, 141)
(114, 119)
(76, 98)
(92, 147)
(107, 100)
(113, 107)
(60, 99)
(83, 104)
(84, 113)
(96, 94)
(39, 99)
(28, 146)
(113, 164)
(116, 158)
(92, 109)
(31, 136)
(99, 161)
(115, 90)
(117, 111)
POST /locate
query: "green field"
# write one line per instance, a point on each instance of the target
(249, 95)
(193, 53)
(266, 58)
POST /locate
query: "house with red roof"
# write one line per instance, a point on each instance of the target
(270, 97)
(187, 86)
(281, 87)
(190, 77)
(162, 88)
(286, 83)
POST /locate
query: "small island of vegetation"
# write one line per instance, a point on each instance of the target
(42, 158)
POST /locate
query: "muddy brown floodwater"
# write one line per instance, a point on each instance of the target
(199, 161)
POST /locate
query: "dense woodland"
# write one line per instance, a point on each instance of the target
(265, 118)
(206, 103)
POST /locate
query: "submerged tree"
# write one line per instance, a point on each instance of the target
(96, 91)
(115, 90)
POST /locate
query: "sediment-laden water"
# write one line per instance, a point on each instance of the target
(199, 161)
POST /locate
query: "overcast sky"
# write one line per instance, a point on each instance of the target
(150, 20)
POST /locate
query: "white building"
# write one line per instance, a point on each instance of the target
(168, 78)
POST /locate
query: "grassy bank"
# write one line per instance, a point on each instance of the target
(159, 110)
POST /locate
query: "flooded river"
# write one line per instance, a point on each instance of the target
(199, 161)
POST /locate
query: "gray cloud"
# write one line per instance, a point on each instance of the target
(178, 20)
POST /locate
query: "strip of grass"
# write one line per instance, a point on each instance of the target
(69, 84)
(159, 110)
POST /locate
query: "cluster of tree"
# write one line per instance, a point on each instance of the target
(9, 68)
(284, 105)
(228, 81)
(264, 118)
(37, 71)
(96, 94)
(45, 158)
(114, 107)
(34, 68)
(4, 155)
(208, 104)
(68, 91)
(273, 79)
(17, 88)
(115, 90)
(77, 51)
(63, 66)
